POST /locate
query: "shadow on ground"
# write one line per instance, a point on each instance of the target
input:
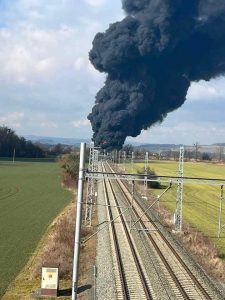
(81, 289)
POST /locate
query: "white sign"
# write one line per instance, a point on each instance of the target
(49, 278)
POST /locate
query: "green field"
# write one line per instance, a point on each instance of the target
(31, 196)
(200, 202)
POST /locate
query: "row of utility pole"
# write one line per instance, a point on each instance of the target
(92, 175)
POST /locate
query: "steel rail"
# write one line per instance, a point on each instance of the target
(140, 271)
(176, 280)
(117, 249)
(135, 256)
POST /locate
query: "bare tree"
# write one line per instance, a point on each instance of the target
(220, 153)
(196, 149)
(128, 148)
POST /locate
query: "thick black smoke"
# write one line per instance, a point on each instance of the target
(151, 57)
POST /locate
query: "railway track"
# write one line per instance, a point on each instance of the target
(183, 283)
(130, 276)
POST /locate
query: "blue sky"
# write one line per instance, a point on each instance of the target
(47, 85)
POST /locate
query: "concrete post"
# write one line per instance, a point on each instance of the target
(78, 222)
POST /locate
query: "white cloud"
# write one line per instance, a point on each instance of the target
(79, 63)
(30, 54)
(34, 51)
(43, 120)
(96, 3)
(94, 73)
(48, 124)
(80, 123)
(45, 70)
(45, 65)
(12, 119)
(183, 132)
(82, 64)
(30, 3)
(203, 90)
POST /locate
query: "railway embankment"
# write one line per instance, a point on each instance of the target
(198, 278)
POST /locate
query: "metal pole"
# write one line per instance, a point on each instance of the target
(221, 207)
(132, 161)
(95, 273)
(93, 167)
(132, 203)
(132, 194)
(14, 154)
(78, 222)
(146, 172)
(90, 187)
(179, 197)
(124, 159)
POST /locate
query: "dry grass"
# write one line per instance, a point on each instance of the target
(58, 249)
(199, 246)
(204, 251)
(67, 181)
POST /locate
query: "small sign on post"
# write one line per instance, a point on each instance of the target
(50, 282)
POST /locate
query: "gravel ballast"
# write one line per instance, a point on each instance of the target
(105, 282)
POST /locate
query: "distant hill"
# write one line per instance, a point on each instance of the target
(137, 145)
(175, 147)
(157, 147)
(56, 140)
(219, 144)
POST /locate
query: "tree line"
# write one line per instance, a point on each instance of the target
(197, 153)
(11, 143)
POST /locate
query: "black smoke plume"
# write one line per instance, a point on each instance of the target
(151, 57)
